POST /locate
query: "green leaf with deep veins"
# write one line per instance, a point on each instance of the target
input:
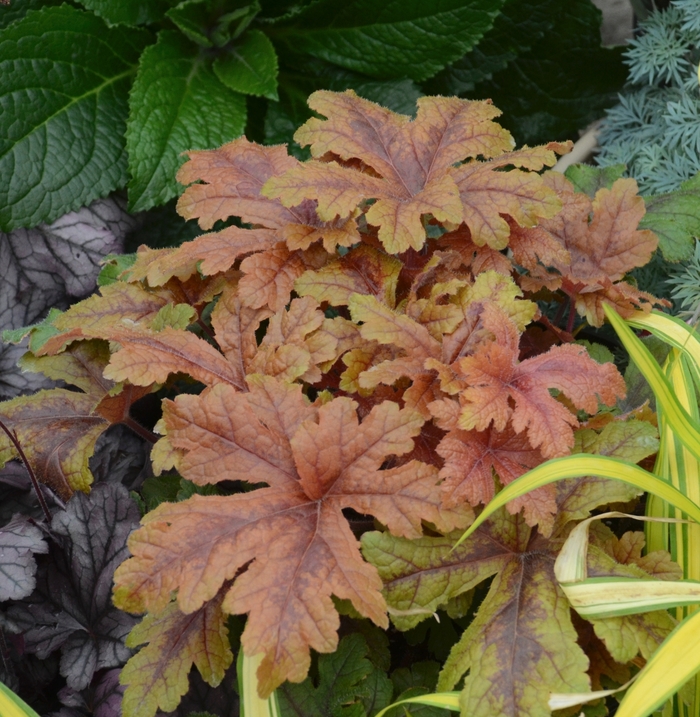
(412, 38)
(63, 106)
(176, 104)
(250, 66)
(346, 680)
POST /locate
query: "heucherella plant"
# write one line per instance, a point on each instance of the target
(674, 491)
(358, 342)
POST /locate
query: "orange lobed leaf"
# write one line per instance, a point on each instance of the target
(587, 257)
(487, 192)
(363, 270)
(472, 458)
(501, 389)
(410, 161)
(316, 462)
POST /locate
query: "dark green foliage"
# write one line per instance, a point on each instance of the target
(97, 95)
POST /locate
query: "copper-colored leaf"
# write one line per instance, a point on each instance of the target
(147, 357)
(487, 192)
(209, 253)
(316, 462)
(363, 270)
(411, 161)
(472, 458)
(588, 247)
(501, 389)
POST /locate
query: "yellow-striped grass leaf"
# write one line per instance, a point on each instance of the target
(669, 668)
(13, 706)
(614, 597)
(684, 427)
(252, 705)
(446, 700)
(585, 465)
(561, 701)
(670, 329)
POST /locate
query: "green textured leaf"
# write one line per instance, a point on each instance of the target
(675, 219)
(212, 23)
(63, 106)
(346, 680)
(588, 180)
(17, 9)
(517, 28)
(629, 440)
(413, 38)
(250, 66)
(560, 85)
(128, 12)
(176, 104)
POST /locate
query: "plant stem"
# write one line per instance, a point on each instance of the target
(572, 315)
(137, 428)
(35, 483)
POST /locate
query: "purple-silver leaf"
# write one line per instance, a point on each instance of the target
(71, 608)
(50, 266)
(20, 540)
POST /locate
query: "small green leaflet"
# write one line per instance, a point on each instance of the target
(250, 66)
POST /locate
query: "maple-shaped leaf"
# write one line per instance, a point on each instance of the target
(20, 540)
(588, 247)
(316, 461)
(489, 194)
(410, 161)
(158, 675)
(500, 388)
(472, 458)
(58, 428)
(521, 644)
(71, 609)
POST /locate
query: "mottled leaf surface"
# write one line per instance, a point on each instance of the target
(157, 676)
(316, 461)
(346, 680)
